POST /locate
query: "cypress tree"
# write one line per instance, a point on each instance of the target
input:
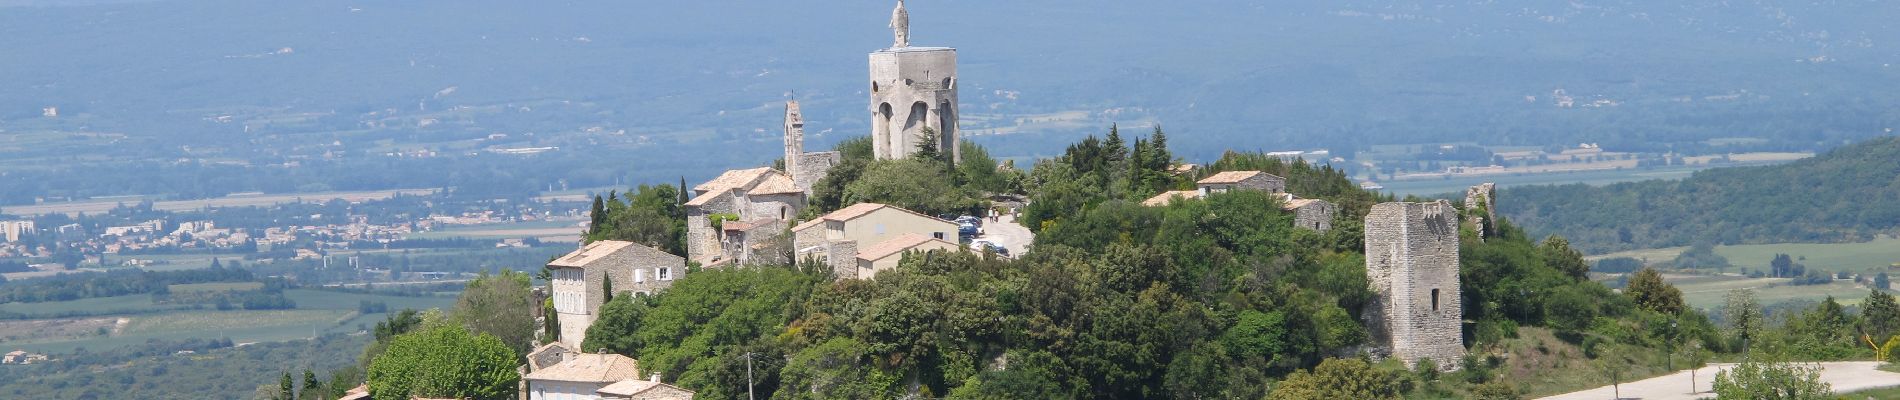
(606, 288)
(598, 216)
(309, 383)
(285, 390)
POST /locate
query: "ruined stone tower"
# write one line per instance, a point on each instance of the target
(1481, 204)
(1412, 264)
(912, 88)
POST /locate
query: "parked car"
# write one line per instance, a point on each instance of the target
(970, 220)
(979, 245)
(968, 230)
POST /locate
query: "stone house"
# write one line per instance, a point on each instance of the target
(579, 279)
(885, 256)
(643, 390)
(836, 238)
(1312, 214)
(1412, 266)
(581, 377)
(1242, 180)
(737, 195)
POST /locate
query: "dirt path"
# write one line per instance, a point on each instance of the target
(1845, 376)
(1005, 231)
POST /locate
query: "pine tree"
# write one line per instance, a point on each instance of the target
(285, 390)
(310, 383)
(1117, 149)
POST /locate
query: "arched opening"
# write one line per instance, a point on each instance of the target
(873, 86)
(881, 131)
(948, 83)
(946, 127)
(913, 124)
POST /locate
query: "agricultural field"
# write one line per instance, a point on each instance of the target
(137, 303)
(234, 200)
(1457, 185)
(195, 288)
(1876, 255)
(1707, 291)
(317, 312)
(517, 230)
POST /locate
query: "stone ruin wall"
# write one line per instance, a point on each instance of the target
(1411, 249)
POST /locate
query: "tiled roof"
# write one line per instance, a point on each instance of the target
(731, 226)
(732, 179)
(768, 181)
(1295, 204)
(1231, 177)
(896, 246)
(595, 368)
(1168, 197)
(588, 255)
(534, 357)
(631, 387)
(777, 183)
(843, 214)
(356, 393)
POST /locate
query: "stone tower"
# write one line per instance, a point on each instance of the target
(912, 88)
(1481, 203)
(794, 135)
(1412, 265)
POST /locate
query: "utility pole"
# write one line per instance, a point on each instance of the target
(748, 375)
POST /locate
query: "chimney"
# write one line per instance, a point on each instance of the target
(655, 378)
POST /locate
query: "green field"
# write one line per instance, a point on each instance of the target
(98, 305)
(317, 312)
(1429, 187)
(192, 288)
(1707, 292)
(1879, 254)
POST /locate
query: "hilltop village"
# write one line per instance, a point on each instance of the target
(750, 217)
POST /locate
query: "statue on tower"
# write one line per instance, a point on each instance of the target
(900, 25)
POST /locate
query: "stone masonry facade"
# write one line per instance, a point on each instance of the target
(1481, 203)
(1314, 214)
(1412, 265)
(580, 279)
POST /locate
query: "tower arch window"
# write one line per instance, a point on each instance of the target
(873, 86)
(1434, 299)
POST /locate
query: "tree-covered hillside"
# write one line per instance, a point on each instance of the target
(1844, 195)
(1214, 298)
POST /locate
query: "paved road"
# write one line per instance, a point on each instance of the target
(1008, 233)
(1845, 376)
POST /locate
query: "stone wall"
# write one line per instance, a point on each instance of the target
(1263, 182)
(1316, 215)
(702, 241)
(812, 167)
(1481, 201)
(842, 256)
(1412, 266)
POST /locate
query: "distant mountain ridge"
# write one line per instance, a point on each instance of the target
(1849, 194)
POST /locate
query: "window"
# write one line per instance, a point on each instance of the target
(1434, 299)
(639, 276)
(937, 235)
(666, 274)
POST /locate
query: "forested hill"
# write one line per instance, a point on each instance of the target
(1849, 194)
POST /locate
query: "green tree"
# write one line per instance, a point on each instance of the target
(550, 322)
(597, 216)
(836, 369)
(606, 287)
(1743, 316)
(1880, 315)
(501, 305)
(1647, 288)
(444, 361)
(911, 184)
(1758, 379)
(1556, 253)
(285, 389)
(311, 387)
(1882, 282)
(1338, 379)
(617, 330)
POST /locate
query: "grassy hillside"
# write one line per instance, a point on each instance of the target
(1848, 194)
